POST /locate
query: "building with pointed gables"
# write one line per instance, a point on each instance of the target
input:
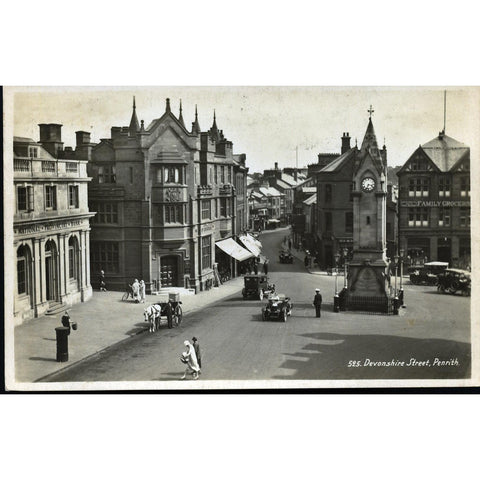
(50, 223)
(164, 197)
(434, 203)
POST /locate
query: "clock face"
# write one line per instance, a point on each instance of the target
(368, 184)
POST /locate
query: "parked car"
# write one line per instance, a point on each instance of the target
(256, 286)
(279, 307)
(285, 257)
(428, 274)
(455, 280)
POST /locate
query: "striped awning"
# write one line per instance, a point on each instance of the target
(232, 248)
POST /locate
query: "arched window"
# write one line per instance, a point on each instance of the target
(23, 270)
(73, 258)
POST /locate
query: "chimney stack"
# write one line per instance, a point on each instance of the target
(276, 165)
(345, 142)
(83, 149)
(51, 137)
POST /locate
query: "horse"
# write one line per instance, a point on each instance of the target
(152, 315)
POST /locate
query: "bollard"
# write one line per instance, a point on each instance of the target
(62, 343)
(396, 303)
(336, 303)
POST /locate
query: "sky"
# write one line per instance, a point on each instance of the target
(268, 124)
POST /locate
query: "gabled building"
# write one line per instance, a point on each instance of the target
(164, 197)
(50, 223)
(434, 203)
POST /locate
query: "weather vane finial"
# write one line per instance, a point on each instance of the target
(370, 111)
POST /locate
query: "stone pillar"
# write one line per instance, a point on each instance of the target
(455, 252)
(62, 266)
(86, 258)
(41, 288)
(433, 249)
(82, 264)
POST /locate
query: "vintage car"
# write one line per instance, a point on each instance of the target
(279, 307)
(285, 257)
(428, 274)
(455, 280)
(257, 286)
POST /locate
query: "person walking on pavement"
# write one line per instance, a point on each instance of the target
(317, 302)
(190, 360)
(136, 290)
(198, 353)
(101, 281)
(265, 266)
(142, 291)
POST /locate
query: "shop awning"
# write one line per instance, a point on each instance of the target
(232, 248)
(249, 242)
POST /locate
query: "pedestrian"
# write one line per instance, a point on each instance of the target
(66, 320)
(190, 359)
(317, 303)
(289, 243)
(265, 266)
(136, 290)
(198, 353)
(306, 261)
(142, 291)
(101, 281)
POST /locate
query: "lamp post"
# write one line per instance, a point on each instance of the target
(336, 298)
(395, 300)
(400, 295)
(345, 253)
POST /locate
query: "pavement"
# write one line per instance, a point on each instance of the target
(103, 321)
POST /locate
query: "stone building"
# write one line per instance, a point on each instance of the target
(51, 223)
(434, 203)
(164, 197)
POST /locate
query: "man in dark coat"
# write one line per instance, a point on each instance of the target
(265, 266)
(198, 353)
(317, 302)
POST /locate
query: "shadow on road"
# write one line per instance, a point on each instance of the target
(328, 357)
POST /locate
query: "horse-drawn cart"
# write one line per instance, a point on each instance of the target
(169, 310)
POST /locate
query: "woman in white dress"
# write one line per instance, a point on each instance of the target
(190, 358)
(142, 291)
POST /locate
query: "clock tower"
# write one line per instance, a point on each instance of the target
(367, 281)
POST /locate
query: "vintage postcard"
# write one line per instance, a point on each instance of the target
(172, 238)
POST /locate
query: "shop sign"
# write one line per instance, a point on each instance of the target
(434, 203)
(208, 227)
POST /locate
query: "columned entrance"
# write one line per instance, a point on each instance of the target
(51, 271)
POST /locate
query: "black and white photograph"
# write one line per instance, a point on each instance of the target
(239, 237)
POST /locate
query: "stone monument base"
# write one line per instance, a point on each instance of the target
(367, 285)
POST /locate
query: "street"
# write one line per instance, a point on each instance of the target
(430, 339)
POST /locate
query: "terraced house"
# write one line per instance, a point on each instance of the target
(166, 203)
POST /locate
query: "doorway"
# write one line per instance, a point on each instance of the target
(51, 274)
(169, 271)
(444, 249)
